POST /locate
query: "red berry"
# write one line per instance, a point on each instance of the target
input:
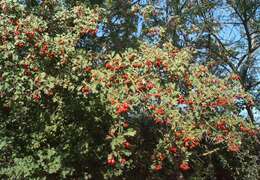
(122, 108)
(123, 161)
(158, 62)
(125, 76)
(30, 34)
(160, 111)
(184, 166)
(26, 66)
(20, 44)
(158, 167)
(152, 107)
(126, 144)
(150, 86)
(108, 66)
(125, 105)
(173, 150)
(87, 69)
(125, 125)
(85, 90)
(16, 33)
(111, 162)
(36, 97)
(149, 63)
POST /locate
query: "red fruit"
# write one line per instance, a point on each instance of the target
(51, 55)
(190, 142)
(244, 129)
(119, 110)
(36, 97)
(30, 34)
(158, 121)
(235, 77)
(149, 63)
(233, 147)
(158, 62)
(87, 69)
(36, 45)
(137, 65)
(27, 73)
(44, 49)
(179, 133)
(26, 66)
(126, 144)
(125, 76)
(111, 162)
(222, 125)
(122, 108)
(125, 105)
(181, 100)
(184, 166)
(123, 161)
(85, 90)
(152, 107)
(160, 111)
(125, 125)
(158, 167)
(20, 44)
(150, 86)
(16, 33)
(220, 102)
(173, 150)
(219, 139)
(108, 66)
(190, 102)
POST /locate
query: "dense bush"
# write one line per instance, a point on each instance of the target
(147, 113)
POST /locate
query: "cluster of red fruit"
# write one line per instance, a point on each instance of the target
(91, 32)
(222, 126)
(190, 142)
(184, 166)
(182, 100)
(114, 67)
(111, 161)
(20, 45)
(85, 90)
(219, 102)
(247, 130)
(235, 77)
(30, 34)
(122, 108)
(36, 97)
(233, 147)
(145, 86)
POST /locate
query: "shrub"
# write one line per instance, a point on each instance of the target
(68, 112)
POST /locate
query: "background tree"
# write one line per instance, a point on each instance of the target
(224, 33)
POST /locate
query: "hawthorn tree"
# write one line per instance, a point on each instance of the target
(148, 112)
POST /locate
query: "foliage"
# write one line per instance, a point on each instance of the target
(146, 112)
(224, 33)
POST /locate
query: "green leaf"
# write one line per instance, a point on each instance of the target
(130, 132)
